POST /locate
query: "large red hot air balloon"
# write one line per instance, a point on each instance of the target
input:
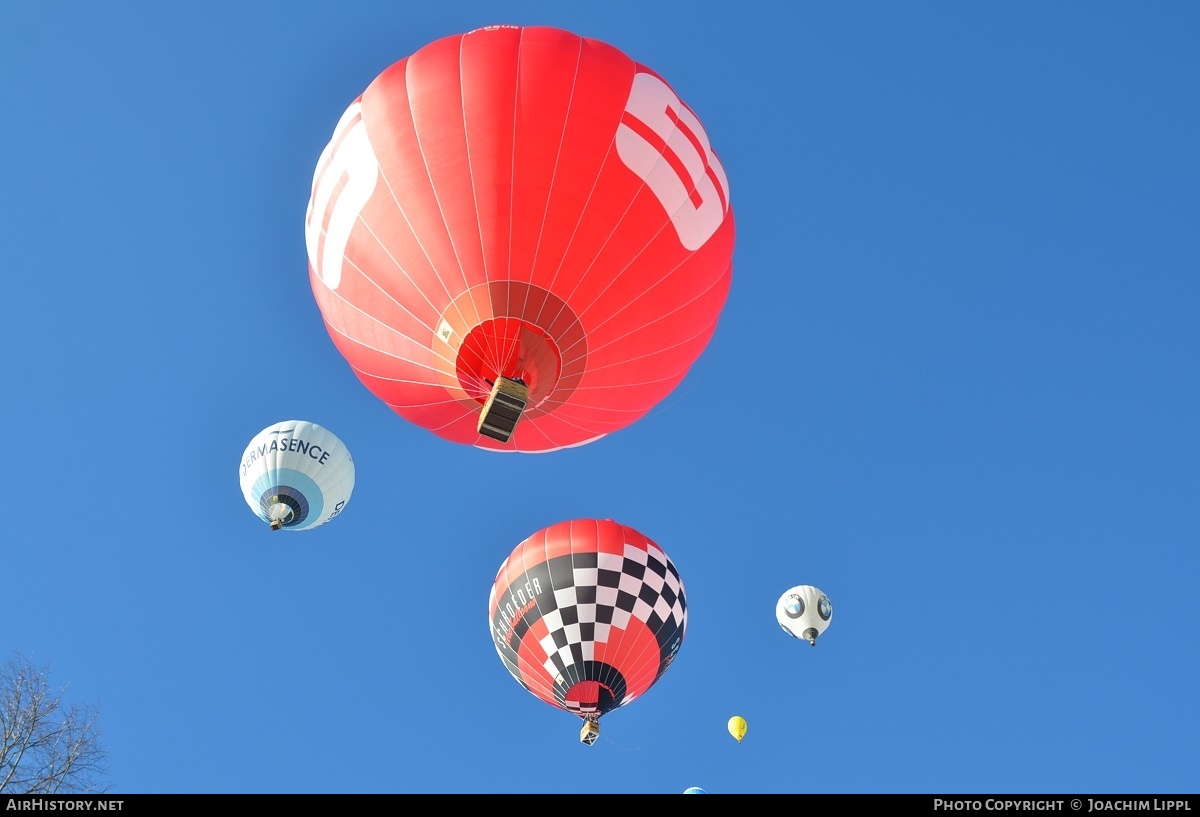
(520, 238)
(587, 615)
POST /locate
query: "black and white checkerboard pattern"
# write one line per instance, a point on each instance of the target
(609, 590)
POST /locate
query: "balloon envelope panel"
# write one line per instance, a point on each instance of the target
(587, 615)
(296, 473)
(526, 203)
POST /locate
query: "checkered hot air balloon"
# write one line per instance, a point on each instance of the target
(587, 615)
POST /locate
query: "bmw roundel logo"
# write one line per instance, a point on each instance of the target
(794, 607)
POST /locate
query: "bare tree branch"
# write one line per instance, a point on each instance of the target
(47, 746)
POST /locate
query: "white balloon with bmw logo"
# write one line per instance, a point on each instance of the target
(804, 612)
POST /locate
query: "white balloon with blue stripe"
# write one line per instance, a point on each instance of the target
(296, 475)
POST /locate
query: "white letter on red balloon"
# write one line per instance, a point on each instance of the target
(345, 179)
(661, 141)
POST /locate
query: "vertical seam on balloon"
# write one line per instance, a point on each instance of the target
(544, 537)
(607, 672)
(605, 676)
(583, 675)
(562, 136)
(575, 231)
(617, 644)
(610, 667)
(512, 163)
(488, 350)
(437, 199)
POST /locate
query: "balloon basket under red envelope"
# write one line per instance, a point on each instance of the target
(503, 409)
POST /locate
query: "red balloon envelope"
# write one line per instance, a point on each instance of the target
(587, 615)
(520, 210)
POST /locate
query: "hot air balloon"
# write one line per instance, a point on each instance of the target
(296, 475)
(737, 727)
(694, 790)
(587, 615)
(804, 612)
(519, 238)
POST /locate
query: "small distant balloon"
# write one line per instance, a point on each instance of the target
(694, 790)
(737, 727)
(804, 612)
(296, 475)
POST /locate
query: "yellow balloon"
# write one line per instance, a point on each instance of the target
(737, 727)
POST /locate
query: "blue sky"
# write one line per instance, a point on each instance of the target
(954, 386)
